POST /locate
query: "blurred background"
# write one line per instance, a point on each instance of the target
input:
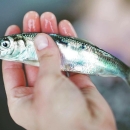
(104, 23)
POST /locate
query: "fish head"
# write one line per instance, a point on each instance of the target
(7, 45)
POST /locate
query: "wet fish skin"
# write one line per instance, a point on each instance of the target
(77, 55)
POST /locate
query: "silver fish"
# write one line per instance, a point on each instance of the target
(77, 55)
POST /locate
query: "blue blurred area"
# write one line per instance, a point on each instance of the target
(12, 12)
(114, 90)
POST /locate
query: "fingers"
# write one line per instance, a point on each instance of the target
(48, 23)
(66, 29)
(12, 71)
(13, 29)
(31, 23)
(48, 55)
(81, 80)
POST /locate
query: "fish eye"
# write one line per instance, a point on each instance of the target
(5, 44)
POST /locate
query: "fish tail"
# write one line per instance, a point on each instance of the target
(128, 77)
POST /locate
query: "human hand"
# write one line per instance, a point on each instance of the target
(51, 100)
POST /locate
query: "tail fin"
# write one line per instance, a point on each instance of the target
(128, 77)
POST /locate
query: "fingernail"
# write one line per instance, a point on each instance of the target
(41, 42)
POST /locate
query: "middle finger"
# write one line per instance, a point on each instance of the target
(48, 23)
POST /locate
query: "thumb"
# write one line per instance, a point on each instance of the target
(48, 55)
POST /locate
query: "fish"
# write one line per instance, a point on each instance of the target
(77, 55)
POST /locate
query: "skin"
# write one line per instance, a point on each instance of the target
(52, 101)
